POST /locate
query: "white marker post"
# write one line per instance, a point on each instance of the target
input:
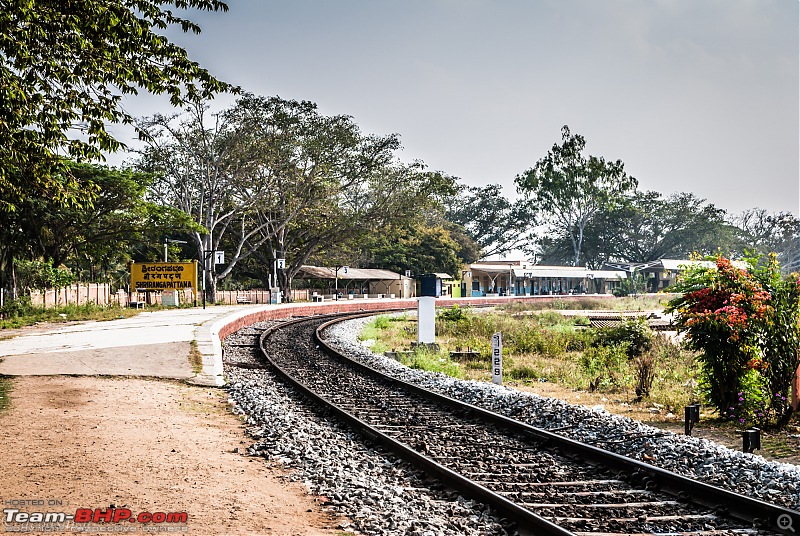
(426, 320)
(497, 358)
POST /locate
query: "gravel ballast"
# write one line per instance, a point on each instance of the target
(750, 474)
(379, 493)
(382, 495)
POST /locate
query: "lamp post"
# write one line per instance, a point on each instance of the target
(168, 241)
(336, 292)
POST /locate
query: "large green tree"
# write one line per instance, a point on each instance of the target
(420, 247)
(64, 66)
(490, 219)
(210, 168)
(566, 189)
(645, 226)
(92, 239)
(272, 179)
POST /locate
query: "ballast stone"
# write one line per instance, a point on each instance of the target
(751, 474)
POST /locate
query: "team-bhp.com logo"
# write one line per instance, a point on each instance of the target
(94, 519)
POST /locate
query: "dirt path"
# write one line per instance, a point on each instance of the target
(147, 445)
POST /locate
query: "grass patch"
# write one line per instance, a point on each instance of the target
(16, 316)
(195, 357)
(5, 393)
(644, 302)
(424, 359)
(544, 346)
(389, 332)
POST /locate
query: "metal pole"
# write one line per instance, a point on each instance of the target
(165, 251)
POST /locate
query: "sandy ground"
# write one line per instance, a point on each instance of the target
(148, 445)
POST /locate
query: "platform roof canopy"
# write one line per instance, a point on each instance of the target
(675, 265)
(355, 274)
(531, 271)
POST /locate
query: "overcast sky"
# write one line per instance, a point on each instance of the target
(693, 95)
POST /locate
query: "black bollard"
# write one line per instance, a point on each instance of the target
(751, 440)
(691, 416)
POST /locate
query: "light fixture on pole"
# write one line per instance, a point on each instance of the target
(168, 241)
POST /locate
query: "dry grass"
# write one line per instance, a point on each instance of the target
(195, 358)
(545, 347)
(5, 391)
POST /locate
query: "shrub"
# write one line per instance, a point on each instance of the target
(644, 372)
(424, 359)
(633, 331)
(606, 366)
(381, 322)
(522, 373)
(745, 326)
(455, 314)
(581, 321)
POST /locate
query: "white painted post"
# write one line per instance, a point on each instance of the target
(426, 319)
(497, 358)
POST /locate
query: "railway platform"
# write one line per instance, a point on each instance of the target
(158, 343)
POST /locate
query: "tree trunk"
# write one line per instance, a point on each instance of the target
(285, 284)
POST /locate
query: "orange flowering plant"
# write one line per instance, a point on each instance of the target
(744, 324)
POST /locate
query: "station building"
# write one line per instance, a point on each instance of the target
(522, 278)
(662, 273)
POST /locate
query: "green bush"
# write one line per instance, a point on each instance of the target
(633, 331)
(523, 373)
(581, 321)
(424, 359)
(381, 322)
(745, 324)
(606, 367)
(455, 314)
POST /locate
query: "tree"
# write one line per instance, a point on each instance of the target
(63, 69)
(212, 174)
(94, 237)
(490, 219)
(420, 248)
(764, 233)
(375, 204)
(41, 275)
(274, 178)
(567, 189)
(645, 226)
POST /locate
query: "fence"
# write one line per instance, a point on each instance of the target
(100, 294)
(79, 294)
(258, 295)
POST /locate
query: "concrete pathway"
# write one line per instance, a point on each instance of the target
(154, 344)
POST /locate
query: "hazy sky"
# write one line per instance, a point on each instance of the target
(693, 95)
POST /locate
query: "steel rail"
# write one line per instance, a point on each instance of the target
(523, 516)
(743, 508)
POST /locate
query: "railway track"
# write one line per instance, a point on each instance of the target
(547, 483)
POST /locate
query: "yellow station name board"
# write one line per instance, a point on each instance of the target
(163, 275)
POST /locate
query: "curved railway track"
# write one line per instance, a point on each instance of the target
(547, 483)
